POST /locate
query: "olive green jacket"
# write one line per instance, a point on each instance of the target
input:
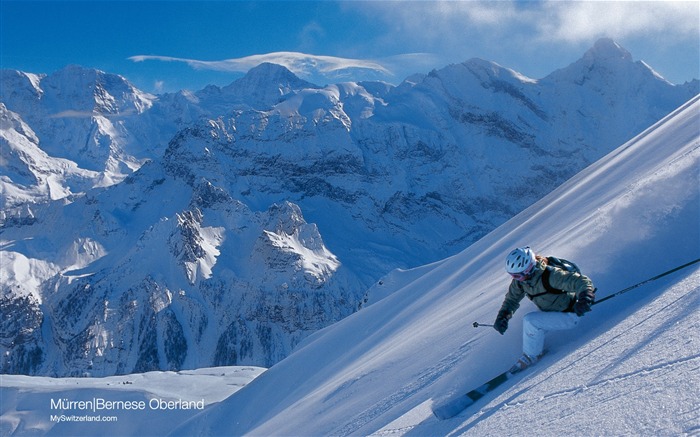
(572, 283)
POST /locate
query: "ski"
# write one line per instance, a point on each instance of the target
(455, 406)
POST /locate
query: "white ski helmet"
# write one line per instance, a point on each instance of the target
(520, 260)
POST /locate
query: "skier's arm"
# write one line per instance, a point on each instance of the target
(580, 284)
(513, 297)
(511, 303)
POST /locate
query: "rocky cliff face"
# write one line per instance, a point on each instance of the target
(222, 227)
(195, 279)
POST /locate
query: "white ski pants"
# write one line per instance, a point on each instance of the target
(537, 323)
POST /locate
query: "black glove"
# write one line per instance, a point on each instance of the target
(501, 323)
(583, 303)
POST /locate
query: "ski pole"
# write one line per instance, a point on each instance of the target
(645, 281)
(477, 324)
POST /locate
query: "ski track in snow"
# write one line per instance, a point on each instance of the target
(670, 365)
(425, 379)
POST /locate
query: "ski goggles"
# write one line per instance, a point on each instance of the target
(525, 274)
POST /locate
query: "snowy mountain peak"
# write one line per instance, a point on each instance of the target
(489, 71)
(95, 92)
(301, 243)
(84, 116)
(29, 174)
(605, 49)
(266, 85)
(276, 73)
(285, 217)
(608, 65)
(13, 82)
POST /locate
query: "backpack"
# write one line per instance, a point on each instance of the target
(552, 263)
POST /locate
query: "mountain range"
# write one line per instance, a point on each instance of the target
(224, 226)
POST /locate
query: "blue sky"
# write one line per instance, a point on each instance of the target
(164, 46)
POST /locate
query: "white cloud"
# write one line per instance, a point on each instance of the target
(89, 114)
(310, 34)
(451, 23)
(299, 63)
(584, 20)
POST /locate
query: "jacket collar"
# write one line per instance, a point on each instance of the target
(536, 273)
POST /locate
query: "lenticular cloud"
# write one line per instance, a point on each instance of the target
(299, 63)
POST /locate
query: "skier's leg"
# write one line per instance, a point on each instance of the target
(535, 325)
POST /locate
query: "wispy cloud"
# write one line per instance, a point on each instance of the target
(452, 22)
(583, 20)
(89, 114)
(301, 64)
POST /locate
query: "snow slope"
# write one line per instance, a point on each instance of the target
(631, 367)
(26, 401)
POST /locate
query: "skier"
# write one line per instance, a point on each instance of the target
(561, 295)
